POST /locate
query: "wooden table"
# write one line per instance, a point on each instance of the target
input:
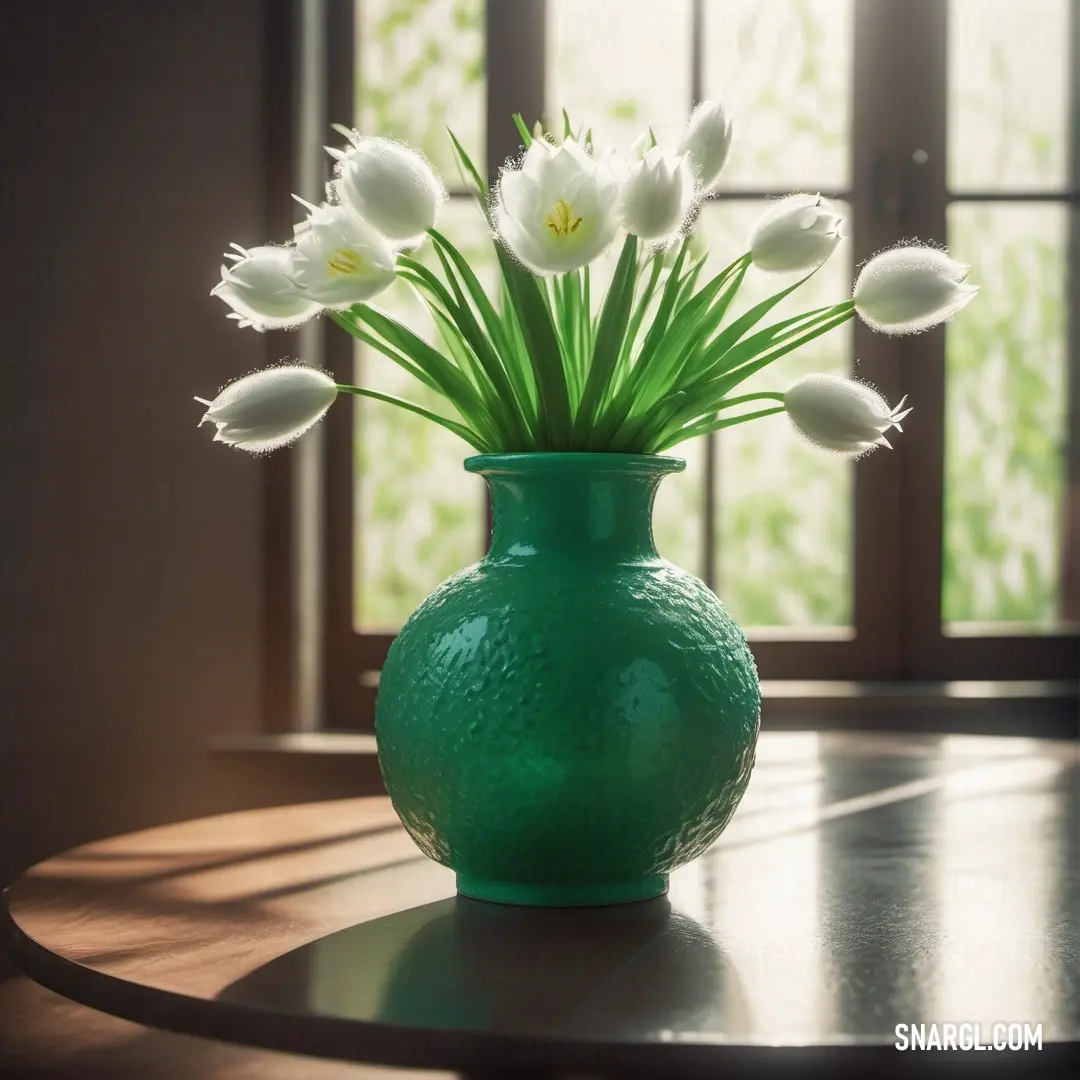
(866, 881)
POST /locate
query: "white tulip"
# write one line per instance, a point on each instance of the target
(267, 409)
(340, 260)
(390, 186)
(559, 210)
(657, 196)
(841, 415)
(706, 144)
(797, 233)
(911, 288)
(642, 145)
(256, 287)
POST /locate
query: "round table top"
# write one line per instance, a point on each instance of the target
(866, 881)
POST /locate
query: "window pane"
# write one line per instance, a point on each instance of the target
(1005, 416)
(419, 515)
(620, 68)
(679, 508)
(1008, 94)
(420, 69)
(784, 68)
(784, 508)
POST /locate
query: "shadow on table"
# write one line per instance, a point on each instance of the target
(610, 974)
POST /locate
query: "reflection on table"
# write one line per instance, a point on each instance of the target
(867, 880)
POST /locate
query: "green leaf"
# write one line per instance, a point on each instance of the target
(683, 407)
(511, 415)
(523, 131)
(690, 280)
(614, 319)
(410, 269)
(360, 334)
(450, 380)
(687, 355)
(512, 331)
(512, 355)
(733, 377)
(470, 169)
(666, 354)
(444, 308)
(542, 344)
(585, 327)
(462, 352)
(725, 359)
(616, 412)
(637, 318)
(568, 131)
(727, 338)
(664, 339)
(567, 298)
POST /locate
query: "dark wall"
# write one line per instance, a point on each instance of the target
(132, 150)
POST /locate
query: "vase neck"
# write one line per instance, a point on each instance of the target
(576, 512)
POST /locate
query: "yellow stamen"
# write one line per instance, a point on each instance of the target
(562, 221)
(344, 261)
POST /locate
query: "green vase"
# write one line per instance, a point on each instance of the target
(571, 718)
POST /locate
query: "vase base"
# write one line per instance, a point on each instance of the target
(605, 893)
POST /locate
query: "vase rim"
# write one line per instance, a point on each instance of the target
(573, 461)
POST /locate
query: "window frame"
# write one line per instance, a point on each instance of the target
(897, 522)
(906, 38)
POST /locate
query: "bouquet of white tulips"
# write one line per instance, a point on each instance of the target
(535, 368)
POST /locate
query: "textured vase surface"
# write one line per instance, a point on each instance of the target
(571, 718)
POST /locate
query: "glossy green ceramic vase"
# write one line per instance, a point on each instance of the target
(572, 717)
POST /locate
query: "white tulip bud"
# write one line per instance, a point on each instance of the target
(268, 409)
(706, 144)
(256, 287)
(797, 233)
(841, 415)
(911, 288)
(340, 260)
(390, 186)
(656, 196)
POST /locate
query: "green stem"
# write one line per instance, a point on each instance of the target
(465, 433)
(765, 394)
(684, 406)
(370, 340)
(713, 425)
(587, 317)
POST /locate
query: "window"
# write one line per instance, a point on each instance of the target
(956, 556)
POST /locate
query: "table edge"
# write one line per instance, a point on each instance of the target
(362, 1041)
